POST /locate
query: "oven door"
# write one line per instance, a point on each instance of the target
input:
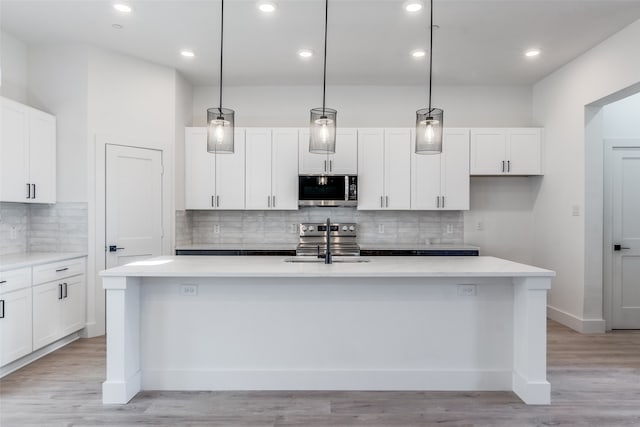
(327, 190)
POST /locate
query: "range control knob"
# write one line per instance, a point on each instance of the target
(344, 228)
(311, 228)
(352, 228)
(303, 228)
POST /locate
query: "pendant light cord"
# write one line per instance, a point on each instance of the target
(324, 77)
(430, 53)
(221, 48)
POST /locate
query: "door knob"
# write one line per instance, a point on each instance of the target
(113, 248)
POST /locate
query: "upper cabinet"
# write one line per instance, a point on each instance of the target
(441, 181)
(213, 181)
(384, 164)
(343, 162)
(27, 154)
(272, 169)
(509, 151)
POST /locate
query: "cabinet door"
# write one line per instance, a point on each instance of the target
(488, 151)
(42, 156)
(345, 161)
(15, 325)
(455, 169)
(230, 177)
(199, 170)
(524, 151)
(46, 314)
(14, 152)
(310, 163)
(371, 163)
(72, 311)
(258, 164)
(425, 180)
(284, 171)
(397, 170)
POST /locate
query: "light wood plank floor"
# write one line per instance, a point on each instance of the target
(595, 381)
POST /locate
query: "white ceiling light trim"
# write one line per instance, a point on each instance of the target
(267, 6)
(418, 53)
(532, 53)
(412, 6)
(187, 53)
(305, 53)
(121, 7)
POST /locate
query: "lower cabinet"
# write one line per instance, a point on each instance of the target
(58, 309)
(15, 325)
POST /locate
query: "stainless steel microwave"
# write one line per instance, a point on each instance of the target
(327, 190)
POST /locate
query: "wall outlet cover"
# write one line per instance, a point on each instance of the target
(467, 290)
(189, 290)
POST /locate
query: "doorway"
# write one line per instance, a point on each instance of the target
(622, 232)
(133, 204)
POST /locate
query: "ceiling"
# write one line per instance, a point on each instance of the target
(479, 41)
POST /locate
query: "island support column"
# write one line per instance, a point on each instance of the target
(530, 340)
(124, 377)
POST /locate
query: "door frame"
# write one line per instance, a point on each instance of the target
(96, 262)
(607, 270)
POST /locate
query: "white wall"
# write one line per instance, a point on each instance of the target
(58, 78)
(621, 119)
(572, 245)
(14, 64)
(184, 108)
(369, 106)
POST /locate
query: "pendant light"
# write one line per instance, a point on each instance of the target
(220, 120)
(429, 120)
(322, 137)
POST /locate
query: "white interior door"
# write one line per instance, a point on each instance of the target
(133, 204)
(624, 177)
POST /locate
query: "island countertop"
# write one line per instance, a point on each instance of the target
(275, 266)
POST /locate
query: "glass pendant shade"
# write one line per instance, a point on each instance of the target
(220, 130)
(322, 137)
(429, 124)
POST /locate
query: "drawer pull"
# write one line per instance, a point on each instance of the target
(1, 309)
(62, 269)
(4, 281)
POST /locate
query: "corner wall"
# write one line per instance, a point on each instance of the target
(14, 64)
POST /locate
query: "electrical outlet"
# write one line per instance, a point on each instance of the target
(216, 228)
(13, 234)
(449, 228)
(189, 290)
(294, 228)
(467, 290)
(381, 228)
(479, 226)
(575, 210)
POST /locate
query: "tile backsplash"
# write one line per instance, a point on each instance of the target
(416, 227)
(61, 227)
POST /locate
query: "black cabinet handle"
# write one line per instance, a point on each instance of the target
(62, 269)
(508, 165)
(1, 309)
(34, 191)
(4, 281)
(28, 191)
(65, 290)
(59, 290)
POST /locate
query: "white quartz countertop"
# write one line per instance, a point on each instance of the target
(275, 266)
(417, 247)
(292, 246)
(28, 259)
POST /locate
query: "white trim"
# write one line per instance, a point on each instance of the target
(31, 357)
(584, 326)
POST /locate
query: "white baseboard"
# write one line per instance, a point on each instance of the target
(29, 358)
(584, 326)
(454, 380)
(92, 330)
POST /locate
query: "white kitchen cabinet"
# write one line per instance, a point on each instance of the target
(506, 151)
(27, 154)
(272, 169)
(343, 162)
(384, 165)
(441, 181)
(58, 305)
(15, 315)
(213, 181)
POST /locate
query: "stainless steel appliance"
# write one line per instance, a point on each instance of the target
(342, 238)
(327, 190)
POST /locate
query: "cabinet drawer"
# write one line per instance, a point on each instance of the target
(13, 280)
(58, 270)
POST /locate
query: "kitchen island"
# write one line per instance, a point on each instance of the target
(260, 323)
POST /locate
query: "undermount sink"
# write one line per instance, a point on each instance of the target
(312, 259)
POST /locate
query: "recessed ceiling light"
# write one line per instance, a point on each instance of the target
(120, 7)
(117, 26)
(187, 53)
(267, 6)
(418, 53)
(305, 53)
(532, 52)
(412, 5)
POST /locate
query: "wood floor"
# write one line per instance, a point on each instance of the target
(595, 381)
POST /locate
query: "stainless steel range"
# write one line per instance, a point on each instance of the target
(313, 239)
